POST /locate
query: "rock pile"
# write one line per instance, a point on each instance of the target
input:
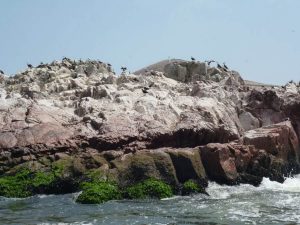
(186, 121)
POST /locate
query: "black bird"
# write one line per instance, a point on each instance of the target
(219, 66)
(225, 66)
(49, 67)
(41, 65)
(1, 72)
(193, 59)
(108, 64)
(210, 61)
(145, 90)
(29, 65)
(123, 68)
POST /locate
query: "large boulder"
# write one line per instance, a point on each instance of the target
(219, 163)
(132, 168)
(279, 140)
(188, 165)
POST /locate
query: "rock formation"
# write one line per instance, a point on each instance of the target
(192, 122)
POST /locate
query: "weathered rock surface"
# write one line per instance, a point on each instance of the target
(132, 127)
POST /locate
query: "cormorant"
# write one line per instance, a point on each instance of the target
(225, 66)
(29, 65)
(108, 64)
(192, 58)
(41, 65)
(219, 66)
(210, 61)
(145, 90)
(123, 68)
(1, 72)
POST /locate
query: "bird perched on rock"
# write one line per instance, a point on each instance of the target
(29, 66)
(41, 65)
(192, 58)
(145, 90)
(219, 66)
(209, 61)
(224, 65)
(108, 64)
(1, 72)
(123, 68)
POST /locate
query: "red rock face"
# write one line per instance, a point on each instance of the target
(219, 163)
(45, 133)
(279, 140)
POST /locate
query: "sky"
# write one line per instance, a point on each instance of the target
(258, 38)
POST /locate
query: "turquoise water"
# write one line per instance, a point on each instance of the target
(270, 203)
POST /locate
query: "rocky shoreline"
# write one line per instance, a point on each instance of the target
(74, 125)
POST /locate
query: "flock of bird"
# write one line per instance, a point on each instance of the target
(123, 68)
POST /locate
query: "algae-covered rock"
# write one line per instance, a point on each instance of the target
(98, 192)
(192, 187)
(16, 186)
(142, 165)
(150, 188)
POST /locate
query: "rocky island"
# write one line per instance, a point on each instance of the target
(167, 129)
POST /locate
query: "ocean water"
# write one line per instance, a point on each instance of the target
(270, 203)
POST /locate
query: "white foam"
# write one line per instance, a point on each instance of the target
(76, 223)
(291, 184)
(217, 191)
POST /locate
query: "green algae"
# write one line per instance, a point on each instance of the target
(191, 187)
(98, 192)
(150, 188)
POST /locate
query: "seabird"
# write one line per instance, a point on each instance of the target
(225, 66)
(123, 68)
(145, 90)
(192, 58)
(1, 72)
(29, 65)
(49, 67)
(210, 61)
(41, 65)
(219, 66)
(108, 64)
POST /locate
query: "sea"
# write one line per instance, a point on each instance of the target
(270, 203)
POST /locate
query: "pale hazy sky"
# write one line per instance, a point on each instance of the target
(259, 38)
